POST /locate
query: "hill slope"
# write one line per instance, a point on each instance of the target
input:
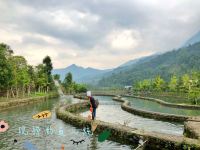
(193, 39)
(80, 74)
(177, 62)
(137, 61)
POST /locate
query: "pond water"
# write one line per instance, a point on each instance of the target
(110, 111)
(24, 129)
(153, 106)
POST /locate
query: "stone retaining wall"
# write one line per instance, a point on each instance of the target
(83, 96)
(126, 134)
(165, 103)
(155, 115)
(20, 102)
(192, 128)
(191, 124)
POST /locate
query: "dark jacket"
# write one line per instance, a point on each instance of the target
(92, 102)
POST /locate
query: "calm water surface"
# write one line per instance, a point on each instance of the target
(22, 116)
(110, 111)
(153, 106)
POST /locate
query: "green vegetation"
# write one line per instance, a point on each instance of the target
(188, 85)
(57, 77)
(18, 79)
(72, 87)
(176, 62)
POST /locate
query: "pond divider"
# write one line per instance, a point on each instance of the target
(192, 128)
(149, 114)
(184, 106)
(123, 133)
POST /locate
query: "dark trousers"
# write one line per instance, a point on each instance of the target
(93, 113)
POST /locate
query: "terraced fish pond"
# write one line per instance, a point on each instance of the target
(156, 107)
(109, 111)
(21, 118)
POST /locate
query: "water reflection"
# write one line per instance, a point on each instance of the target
(110, 111)
(22, 116)
(153, 106)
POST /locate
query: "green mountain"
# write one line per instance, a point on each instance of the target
(79, 73)
(178, 62)
(194, 39)
(136, 61)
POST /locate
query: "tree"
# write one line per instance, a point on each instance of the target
(194, 95)
(173, 83)
(71, 86)
(42, 78)
(32, 79)
(48, 65)
(185, 80)
(68, 82)
(48, 68)
(158, 83)
(80, 88)
(146, 84)
(194, 87)
(57, 77)
(68, 79)
(5, 68)
(21, 78)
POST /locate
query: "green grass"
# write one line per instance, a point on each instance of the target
(37, 94)
(177, 98)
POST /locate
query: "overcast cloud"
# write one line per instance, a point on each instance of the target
(96, 33)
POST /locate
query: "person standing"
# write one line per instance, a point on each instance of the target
(93, 104)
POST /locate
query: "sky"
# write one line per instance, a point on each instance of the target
(96, 33)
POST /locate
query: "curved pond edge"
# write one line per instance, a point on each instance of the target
(161, 102)
(150, 114)
(191, 124)
(83, 96)
(126, 134)
(25, 101)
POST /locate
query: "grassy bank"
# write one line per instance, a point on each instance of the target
(9, 103)
(177, 98)
(32, 95)
(170, 97)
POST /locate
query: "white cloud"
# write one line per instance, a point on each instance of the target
(59, 17)
(99, 33)
(125, 39)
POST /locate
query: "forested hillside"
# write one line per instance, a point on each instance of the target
(176, 62)
(193, 39)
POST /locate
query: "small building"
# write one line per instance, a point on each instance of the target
(128, 87)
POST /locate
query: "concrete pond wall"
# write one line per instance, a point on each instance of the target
(25, 101)
(165, 103)
(191, 124)
(126, 134)
(149, 114)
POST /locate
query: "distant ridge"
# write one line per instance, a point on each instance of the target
(183, 60)
(194, 39)
(79, 73)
